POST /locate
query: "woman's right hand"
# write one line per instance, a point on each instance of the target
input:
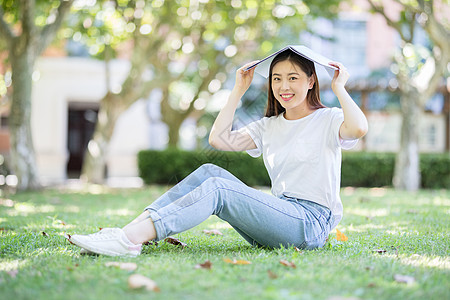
(244, 78)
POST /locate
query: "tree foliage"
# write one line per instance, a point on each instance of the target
(27, 27)
(186, 49)
(419, 68)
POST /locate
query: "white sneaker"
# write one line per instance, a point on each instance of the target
(108, 241)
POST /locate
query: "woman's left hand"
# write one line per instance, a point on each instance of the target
(340, 76)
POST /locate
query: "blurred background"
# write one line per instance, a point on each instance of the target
(85, 85)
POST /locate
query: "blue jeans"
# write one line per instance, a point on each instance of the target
(260, 218)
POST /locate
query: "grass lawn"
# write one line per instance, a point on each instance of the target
(390, 233)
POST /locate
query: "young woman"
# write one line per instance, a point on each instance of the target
(301, 142)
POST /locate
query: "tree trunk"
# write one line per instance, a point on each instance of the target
(407, 163)
(23, 161)
(172, 118)
(174, 131)
(93, 170)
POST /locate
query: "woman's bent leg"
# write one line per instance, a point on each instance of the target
(142, 229)
(193, 180)
(261, 218)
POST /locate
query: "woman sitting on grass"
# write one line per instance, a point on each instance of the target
(301, 142)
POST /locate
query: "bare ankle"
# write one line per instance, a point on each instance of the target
(141, 232)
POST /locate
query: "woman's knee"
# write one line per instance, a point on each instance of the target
(215, 182)
(209, 169)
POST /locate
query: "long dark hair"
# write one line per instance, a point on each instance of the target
(274, 107)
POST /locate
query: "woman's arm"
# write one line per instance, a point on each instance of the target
(221, 136)
(355, 123)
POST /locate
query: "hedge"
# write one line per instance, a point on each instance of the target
(359, 169)
(172, 165)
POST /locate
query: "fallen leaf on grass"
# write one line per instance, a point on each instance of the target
(404, 279)
(71, 269)
(379, 250)
(212, 231)
(174, 241)
(44, 233)
(127, 266)
(137, 281)
(206, 265)
(271, 274)
(340, 236)
(237, 262)
(287, 263)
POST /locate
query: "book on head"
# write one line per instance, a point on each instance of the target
(262, 66)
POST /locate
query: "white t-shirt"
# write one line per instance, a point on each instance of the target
(303, 157)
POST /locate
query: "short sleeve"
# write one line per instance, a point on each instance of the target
(336, 121)
(255, 130)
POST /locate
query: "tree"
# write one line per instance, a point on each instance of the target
(420, 71)
(27, 27)
(185, 48)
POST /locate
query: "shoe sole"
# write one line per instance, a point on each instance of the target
(86, 252)
(98, 250)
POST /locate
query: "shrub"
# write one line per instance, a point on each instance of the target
(367, 169)
(359, 169)
(172, 165)
(435, 170)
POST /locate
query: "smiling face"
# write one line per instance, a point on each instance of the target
(290, 86)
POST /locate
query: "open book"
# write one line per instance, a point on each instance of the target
(262, 67)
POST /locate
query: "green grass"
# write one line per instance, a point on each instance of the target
(412, 229)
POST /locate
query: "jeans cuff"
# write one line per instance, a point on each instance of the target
(157, 222)
(152, 207)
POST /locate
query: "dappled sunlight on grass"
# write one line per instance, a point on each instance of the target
(394, 228)
(440, 201)
(364, 227)
(15, 264)
(368, 212)
(218, 224)
(401, 230)
(377, 192)
(374, 192)
(120, 212)
(63, 250)
(24, 209)
(45, 226)
(6, 202)
(221, 225)
(71, 208)
(418, 260)
(97, 189)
